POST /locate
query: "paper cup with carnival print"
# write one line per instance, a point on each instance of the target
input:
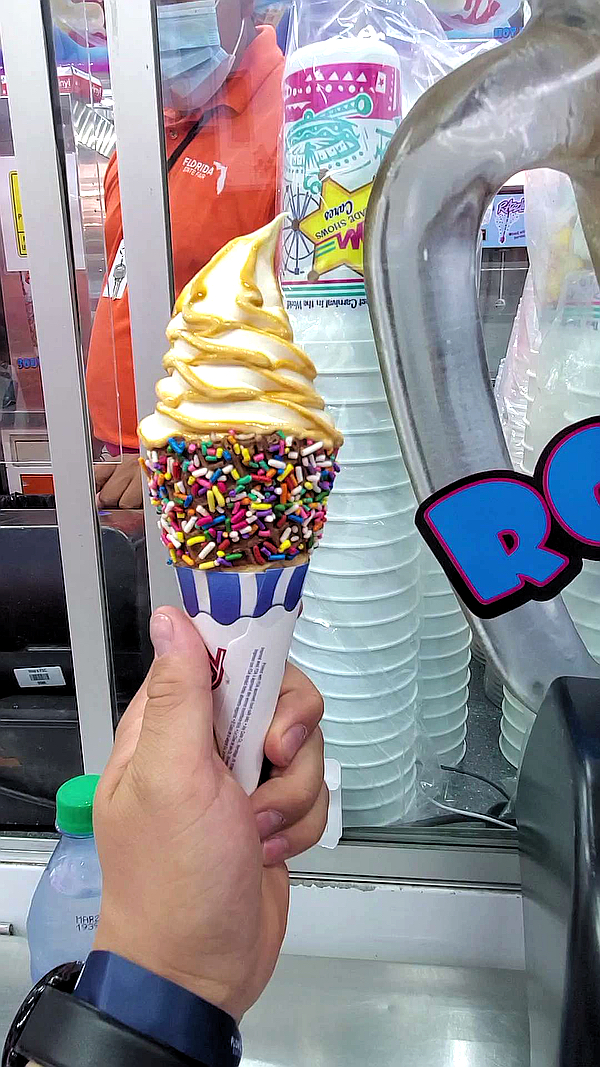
(246, 620)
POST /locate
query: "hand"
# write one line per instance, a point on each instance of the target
(119, 485)
(291, 808)
(188, 891)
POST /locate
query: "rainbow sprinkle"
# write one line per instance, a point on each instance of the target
(239, 500)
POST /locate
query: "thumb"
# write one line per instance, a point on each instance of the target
(177, 725)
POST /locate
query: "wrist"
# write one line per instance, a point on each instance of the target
(160, 1009)
(119, 941)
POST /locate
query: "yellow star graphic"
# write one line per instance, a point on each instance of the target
(337, 227)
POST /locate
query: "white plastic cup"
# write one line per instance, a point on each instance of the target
(387, 553)
(449, 740)
(433, 580)
(361, 533)
(335, 610)
(364, 504)
(361, 415)
(590, 637)
(438, 667)
(516, 713)
(369, 797)
(442, 624)
(442, 646)
(356, 775)
(439, 603)
(354, 583)
(385, 701)
(456, 705)
(358, 684)
(582, 608)
(356, 636)
(448, 752)
(352, 659)
(367, 707)
(446, 702)
(372, 476)
(435, 585)
(379, 815)
(353, 386)
(369, 444)
(453, 756)
(514, 736)
(340, 677)
(447, 684)
(587, 582)
(581, 403)
(511, 754)
(437, 726)
(337, 355)
(372, 732)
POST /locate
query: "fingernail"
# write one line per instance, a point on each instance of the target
(275, 850)
(268, 822)
(161, 633)
(292, 741)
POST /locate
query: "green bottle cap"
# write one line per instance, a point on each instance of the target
(74, 804)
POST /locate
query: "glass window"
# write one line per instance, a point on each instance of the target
(39, 729)
(412, 711)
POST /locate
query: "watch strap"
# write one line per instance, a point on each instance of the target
(162, 1010)
(63, 1031)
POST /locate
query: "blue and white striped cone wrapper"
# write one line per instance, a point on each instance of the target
(246, 620)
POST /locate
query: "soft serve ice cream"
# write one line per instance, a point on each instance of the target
(241, 453)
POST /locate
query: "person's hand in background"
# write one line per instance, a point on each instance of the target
(189, 890)
(119, 485)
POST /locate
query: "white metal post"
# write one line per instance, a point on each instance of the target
(33, 100)
(135, 78)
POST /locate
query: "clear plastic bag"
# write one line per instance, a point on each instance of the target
(381, 633)
(516, 378)
(409, 26)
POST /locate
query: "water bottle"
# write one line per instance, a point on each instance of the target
(64, 911)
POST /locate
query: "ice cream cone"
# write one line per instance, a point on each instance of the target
(246, 620)
(241, 458)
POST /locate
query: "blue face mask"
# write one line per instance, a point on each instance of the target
(193, 62)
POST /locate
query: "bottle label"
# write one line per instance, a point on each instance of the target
(85, 923)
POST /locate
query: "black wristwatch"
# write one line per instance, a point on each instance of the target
(114, 1012)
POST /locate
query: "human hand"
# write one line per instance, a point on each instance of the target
(189, 891)
(119, 485)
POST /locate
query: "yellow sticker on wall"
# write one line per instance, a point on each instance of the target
(15, 199)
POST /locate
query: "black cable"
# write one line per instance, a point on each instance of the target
(480, 778)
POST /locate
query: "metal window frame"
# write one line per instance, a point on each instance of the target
(37, 135)
(136, 87)
(394, 862)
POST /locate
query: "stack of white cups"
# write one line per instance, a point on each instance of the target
(358, 635)
(582, 597)
(570, 362)
(444, 658)
(515, 724)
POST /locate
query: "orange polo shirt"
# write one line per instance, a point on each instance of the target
(222, 185)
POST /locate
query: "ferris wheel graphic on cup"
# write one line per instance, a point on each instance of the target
(317, 145)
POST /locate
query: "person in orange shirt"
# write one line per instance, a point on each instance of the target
(223, 117)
